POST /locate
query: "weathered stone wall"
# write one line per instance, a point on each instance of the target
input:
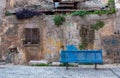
(53, 37)
(49, 5)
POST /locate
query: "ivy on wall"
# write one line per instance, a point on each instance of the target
(87, 38)
(87, 35)
(25, 13)
(59, 20)
(80, 13)
(82, 46)
(99, 12)
(111, 9)
(97, 25)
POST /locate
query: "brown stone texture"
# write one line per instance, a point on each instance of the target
(51, 36)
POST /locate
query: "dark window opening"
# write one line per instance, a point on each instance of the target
(57, 0)
(32, 36)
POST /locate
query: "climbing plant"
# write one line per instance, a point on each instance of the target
(82, 46)
(97, 25)
(87, 38)
(110, 10)
(59, 20)
(83, 35)
(80, 13)
(111, 3)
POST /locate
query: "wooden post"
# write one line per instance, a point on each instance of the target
(67, 66)
(95, 66)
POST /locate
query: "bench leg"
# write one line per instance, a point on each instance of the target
(67, 66)
(95, 66)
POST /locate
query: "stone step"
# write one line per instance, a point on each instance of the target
(55, 63)
(32, 62)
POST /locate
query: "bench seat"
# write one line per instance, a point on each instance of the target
(82, 56)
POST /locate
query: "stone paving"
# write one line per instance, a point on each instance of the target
(59, 72)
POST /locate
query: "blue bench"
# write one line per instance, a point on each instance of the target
(81, 56)
(71, 48)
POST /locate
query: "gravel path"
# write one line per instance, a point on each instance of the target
(58, 72)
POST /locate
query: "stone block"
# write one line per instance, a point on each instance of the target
(38, 62)
(55, 63)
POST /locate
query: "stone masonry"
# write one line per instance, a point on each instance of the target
(52, 37)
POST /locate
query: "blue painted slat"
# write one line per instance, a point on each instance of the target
(81, 56)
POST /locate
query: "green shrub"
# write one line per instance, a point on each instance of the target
(7, 13)
(111, 3)
(100, 12)
(81, 46)
(97, 25)
(59, 20)
(97, 12)
(112, 10)
(80, 13)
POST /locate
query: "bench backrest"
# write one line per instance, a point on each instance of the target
(71, 48)
(81, 56)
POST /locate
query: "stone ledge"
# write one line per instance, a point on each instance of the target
(32, 62)
(55, 63)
